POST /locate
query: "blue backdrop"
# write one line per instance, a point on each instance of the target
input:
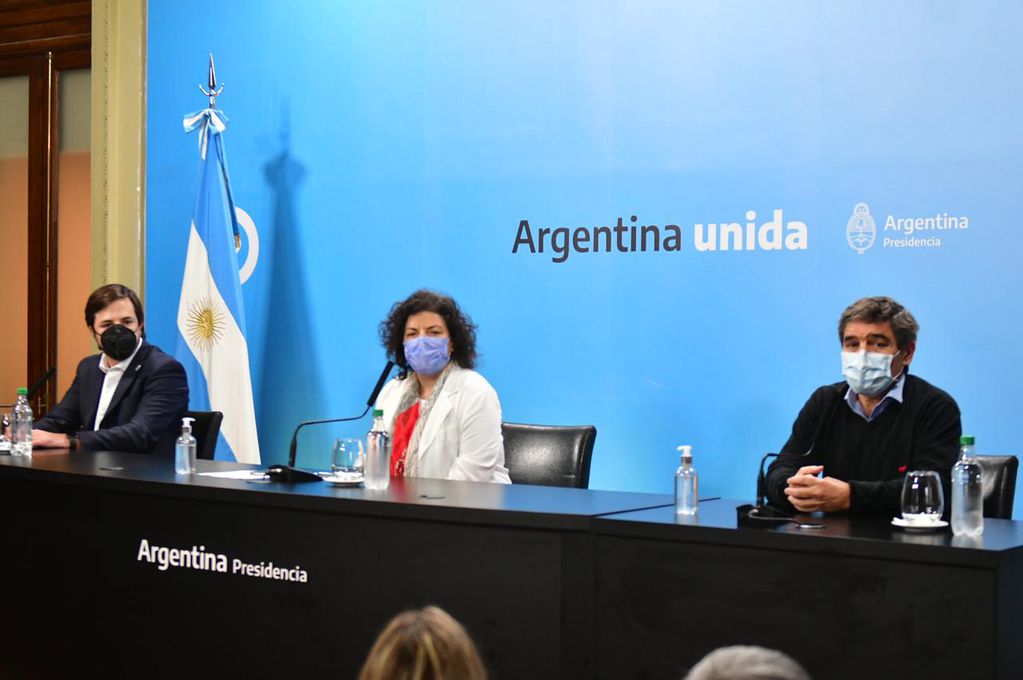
(383, 147)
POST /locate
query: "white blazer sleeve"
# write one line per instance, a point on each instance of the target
(480, 445)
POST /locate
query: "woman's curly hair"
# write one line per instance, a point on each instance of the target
(460, 327)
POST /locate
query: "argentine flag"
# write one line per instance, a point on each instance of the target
(211, 318)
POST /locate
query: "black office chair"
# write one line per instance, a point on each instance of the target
(549, 455)
(999, 480)
(205, 429)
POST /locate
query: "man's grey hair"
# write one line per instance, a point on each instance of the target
(880, 310)
(747, 663)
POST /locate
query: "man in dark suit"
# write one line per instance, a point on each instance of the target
(129, 398)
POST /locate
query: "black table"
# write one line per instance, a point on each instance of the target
(550, 582)
(514, 563)
(856, 599)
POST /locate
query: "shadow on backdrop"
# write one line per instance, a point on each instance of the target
(290, 388)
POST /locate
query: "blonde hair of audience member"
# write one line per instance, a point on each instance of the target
(423, 644)
(747, 663)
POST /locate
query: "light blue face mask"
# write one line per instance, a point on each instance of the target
(868, 373)
(426, 355)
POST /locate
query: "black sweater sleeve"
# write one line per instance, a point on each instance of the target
(801, 449)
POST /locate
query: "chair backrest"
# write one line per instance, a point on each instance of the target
(549, 455)
(205, 429)
(999, 480)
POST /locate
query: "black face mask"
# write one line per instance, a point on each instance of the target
(118, 342)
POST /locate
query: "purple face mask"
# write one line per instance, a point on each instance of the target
(426, 355)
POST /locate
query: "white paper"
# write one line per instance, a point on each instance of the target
(234, 474)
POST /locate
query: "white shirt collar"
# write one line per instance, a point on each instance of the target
(893, 394)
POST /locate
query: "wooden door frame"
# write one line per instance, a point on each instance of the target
(39, 39)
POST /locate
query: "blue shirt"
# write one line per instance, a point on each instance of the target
(894, 394)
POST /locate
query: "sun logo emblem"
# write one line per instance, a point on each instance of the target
(205, 324)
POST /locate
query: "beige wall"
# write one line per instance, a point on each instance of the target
(74, 265)
(14, 307)
(74, 273)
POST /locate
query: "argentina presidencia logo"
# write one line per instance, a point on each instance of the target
(861, 230)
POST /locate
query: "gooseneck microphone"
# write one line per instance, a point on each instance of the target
(762, 481)
(289, 473)
(36, 386)
(42, 381)
(763, 513)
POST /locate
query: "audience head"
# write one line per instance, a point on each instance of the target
(747, 663)
(423, 644)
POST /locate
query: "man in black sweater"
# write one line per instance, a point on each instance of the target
(864, 434)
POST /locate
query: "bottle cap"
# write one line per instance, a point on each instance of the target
(23, 390)
(378, 413)
(186, 424)
(687, 451)
(967, 440)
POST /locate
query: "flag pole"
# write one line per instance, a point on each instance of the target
(211, 316)
(212, 92)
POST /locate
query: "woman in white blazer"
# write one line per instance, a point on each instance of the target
(444, 417)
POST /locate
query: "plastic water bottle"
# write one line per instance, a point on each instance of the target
(377, 470)
(967, 492)
(687, 484)
(184, 451)
(21, 428)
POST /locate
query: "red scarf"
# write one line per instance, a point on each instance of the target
(403, 426)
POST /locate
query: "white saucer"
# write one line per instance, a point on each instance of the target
(344, 479)
(916, 526)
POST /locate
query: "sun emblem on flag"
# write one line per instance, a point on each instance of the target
(205, 324)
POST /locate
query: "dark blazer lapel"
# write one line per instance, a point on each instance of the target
(91, 382)
(126, 380)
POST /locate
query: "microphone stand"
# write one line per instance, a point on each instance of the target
(5, 423)
(36, 385)
(293, 475)
(762, 514)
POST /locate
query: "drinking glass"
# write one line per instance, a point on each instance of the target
(347, 456)
(923, 501)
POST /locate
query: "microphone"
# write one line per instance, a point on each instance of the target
(36, 386)
(762, 480)
(42, 381)
(289, 473)
(763, 512)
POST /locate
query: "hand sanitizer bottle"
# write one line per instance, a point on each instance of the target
(687, 484)
(184, 452)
